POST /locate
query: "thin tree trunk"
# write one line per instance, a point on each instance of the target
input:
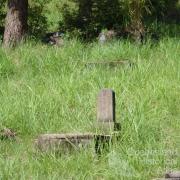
(16, 22)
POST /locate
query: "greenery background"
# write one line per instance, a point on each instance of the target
(47, 89)
(87, 18)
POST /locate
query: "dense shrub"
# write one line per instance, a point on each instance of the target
(166, 10)
(37, 22)
(2, 18)
(86, 18)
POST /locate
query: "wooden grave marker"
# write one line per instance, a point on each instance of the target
(106, 125)
(173, 175)
(106, 110)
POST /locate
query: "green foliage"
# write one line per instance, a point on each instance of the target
(166, 10)
(53, 12)
(2, 17)
(90, 17)
(37, 21)
(86, 18)
(53, 91)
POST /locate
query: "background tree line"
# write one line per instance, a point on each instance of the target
(87, 18)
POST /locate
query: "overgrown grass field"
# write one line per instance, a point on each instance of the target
(48, 89)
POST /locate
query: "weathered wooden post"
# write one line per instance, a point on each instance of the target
(106, 111)
(173, 175)
(106, 125)
(63, 142)
(106, 119)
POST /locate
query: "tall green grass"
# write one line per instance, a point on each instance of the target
(47, 89)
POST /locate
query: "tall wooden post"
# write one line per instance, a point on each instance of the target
(106, 123)
(106, 110)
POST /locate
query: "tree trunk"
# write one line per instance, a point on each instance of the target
(16, 22)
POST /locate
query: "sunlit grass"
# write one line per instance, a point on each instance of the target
(47, 89)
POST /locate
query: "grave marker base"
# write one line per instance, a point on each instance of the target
(69, 142)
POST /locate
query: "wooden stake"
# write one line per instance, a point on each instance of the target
(106, 110)
(173, 175)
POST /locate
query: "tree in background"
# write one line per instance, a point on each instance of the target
(16, 22)
(134, 10)
(83, 18)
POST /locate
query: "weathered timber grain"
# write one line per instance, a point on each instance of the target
(106, 106)
(66, 142)
(47, 142)
(173, 175)
(106, 110)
